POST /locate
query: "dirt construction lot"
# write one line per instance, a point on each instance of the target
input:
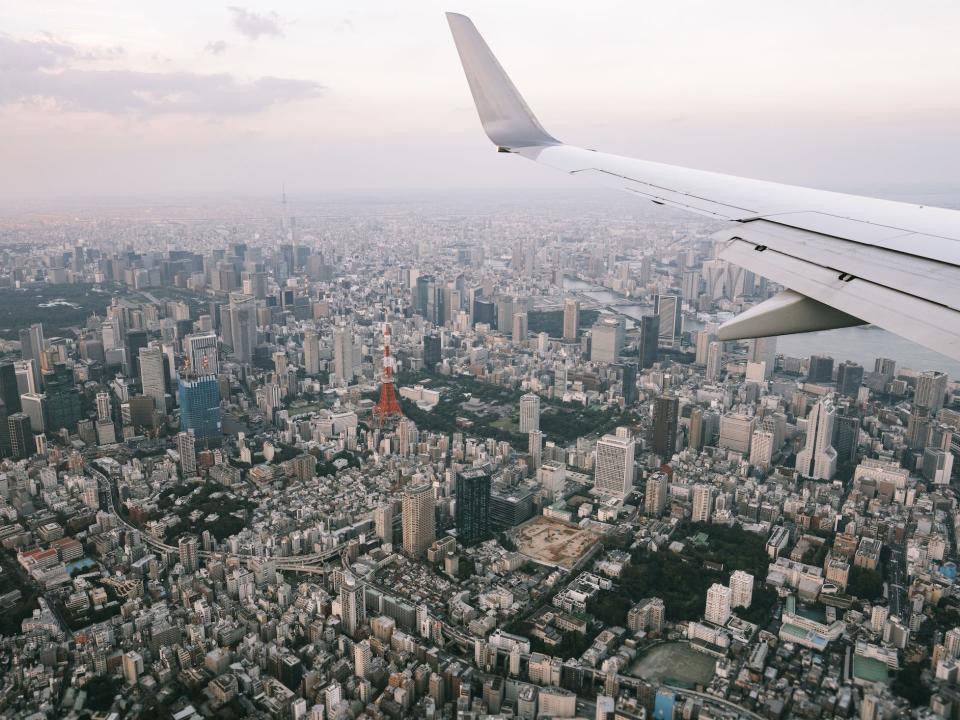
(553, 542)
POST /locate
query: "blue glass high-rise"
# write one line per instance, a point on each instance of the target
(200, 406)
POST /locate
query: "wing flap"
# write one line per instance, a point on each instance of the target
(928, 323)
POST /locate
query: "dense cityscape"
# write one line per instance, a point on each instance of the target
(419, 461)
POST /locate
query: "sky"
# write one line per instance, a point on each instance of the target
(114, 98)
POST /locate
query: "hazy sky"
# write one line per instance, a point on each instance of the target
(113, 97)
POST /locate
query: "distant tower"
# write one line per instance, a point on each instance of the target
(388, 407)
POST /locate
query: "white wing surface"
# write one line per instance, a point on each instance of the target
(847, 260)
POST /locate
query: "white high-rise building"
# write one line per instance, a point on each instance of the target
(818, 459)
(607, 339)
(735, 432)
(667, 307)
(656, 492)
(718, 604)
(714, 361)
(201, 352)
(553, 478)
(931, 388)
(187, 449)
(362, 658)
(529, 413)
(152, 377)
(702, 503)
(535, 447)
(383, 522)
(741, 589)
(418, 520)
(761, 449)
(353, 608)
(520, 327)
(763, 350)
(239, 326)
(343, 353)
(613, 473)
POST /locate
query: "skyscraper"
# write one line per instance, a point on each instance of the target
(189, 550)
(571, 319)
(311, 352)
(473, 506)
(383, 522)
(628, 378)
(607, 339)
(21, 438)
(418, 520)
(152, 377)
(821, 369)
(187, 449)
(136, 339)
(613, 472)
(9, 391)
(885, 367)
(695, 437)
(764, 350)
(714, 361)
(931, 388)
(200, 406)
(736, 430)
(849, 378)
(761, 449)
(535, 447)
(649, 340)
(520, 327)
(529, 413)
(343, 353)
(818, 459)
(667, 308)
(103, 406)
(741, 589)
(431, 351)
(353, 608)
(239, 327)
(666, 413)
(201, 353)
(846, 437)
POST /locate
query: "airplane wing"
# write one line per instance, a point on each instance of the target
(847, 260)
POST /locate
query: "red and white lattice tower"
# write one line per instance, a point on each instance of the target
(387, 408)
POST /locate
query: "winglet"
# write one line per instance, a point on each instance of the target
(505, 116)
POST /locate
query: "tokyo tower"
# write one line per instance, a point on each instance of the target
(387, 408)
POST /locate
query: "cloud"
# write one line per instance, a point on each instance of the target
(215, 47)
(40, 71)
(253, 24)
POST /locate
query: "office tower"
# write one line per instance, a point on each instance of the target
(407, 436)
(656, 493)
(431, 351)
(690, 285)
(9, 390)
(187, 449)
(473, 506)
(818, 459)
(343, 353)
(484, 312)
(613, 472)
(741, 589)
(702, 507)
(571, 319)
(5, 449)
(821, 369)
(200, 406)
(666, 414)
(849, 378)
(32, 343)
(132, 666)
(152, 377)
(718, 604)
(937, 465)
(27, 378)
(239, 327)
(426, 298)
(418, 520)
(559, 380)
(189, 548)
(846, 437)
(764, 350)
(136, 340)
(383, 522)
(529, 413)
(520, 327)
(553, 478)
(628, 382)
(649, 340)
(607, 339)
(695, 437)
(736, 430)
(885, 367)
(201, 353)
(103, 406)
(353, 607)
(311, 352)
(667, 308)
(505, 308)
(919, 423)
(63, 407)
(714, 361)
(535, 447)
(34, 406)
(931, 388)
(703, 340)
(761, 449)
